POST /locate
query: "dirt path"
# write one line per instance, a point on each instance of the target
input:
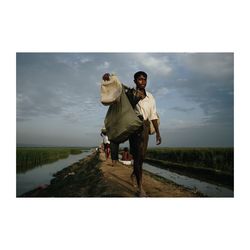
(119, 183)
(94, 176)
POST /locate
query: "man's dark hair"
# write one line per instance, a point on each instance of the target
(139, 73)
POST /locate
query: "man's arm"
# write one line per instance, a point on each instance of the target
(158, 136)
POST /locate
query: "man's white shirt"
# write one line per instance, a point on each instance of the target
(147, 107)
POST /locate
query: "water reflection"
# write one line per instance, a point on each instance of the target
(43, 174)
(205, 188)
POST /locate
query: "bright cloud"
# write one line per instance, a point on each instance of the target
(160, 65)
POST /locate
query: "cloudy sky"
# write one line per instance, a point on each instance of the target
(58, 96)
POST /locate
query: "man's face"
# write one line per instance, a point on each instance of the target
(141, 82)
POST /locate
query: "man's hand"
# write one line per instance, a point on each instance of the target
(106, 76)
(158, 139)
(140, 94)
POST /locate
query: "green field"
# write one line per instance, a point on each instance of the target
(27, 158)
(217, 159)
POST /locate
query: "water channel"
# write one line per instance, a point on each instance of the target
(43, 174)
(205, 188)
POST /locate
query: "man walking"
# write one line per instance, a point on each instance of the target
(145, 108)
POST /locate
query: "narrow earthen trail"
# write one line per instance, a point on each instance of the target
(94, 176)
(119, 183)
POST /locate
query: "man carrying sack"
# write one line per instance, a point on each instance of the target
(144, 107)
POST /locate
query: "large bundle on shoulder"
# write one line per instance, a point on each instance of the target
(121, 120)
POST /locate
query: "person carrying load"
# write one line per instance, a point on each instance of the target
(129, 116)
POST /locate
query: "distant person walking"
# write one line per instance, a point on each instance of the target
(106, 143)
(144, 105)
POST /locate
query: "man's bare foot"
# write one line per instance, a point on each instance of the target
(141, 193)
(114, 162)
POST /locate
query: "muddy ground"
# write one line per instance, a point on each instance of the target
(95, 176)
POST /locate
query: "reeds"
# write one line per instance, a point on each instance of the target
(27, 158)
(221, 159)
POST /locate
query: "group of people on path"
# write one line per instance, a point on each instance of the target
(144, 106)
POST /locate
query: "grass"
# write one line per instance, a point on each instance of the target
(217, 159)
(27, 158)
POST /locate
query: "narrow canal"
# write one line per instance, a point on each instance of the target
(43, 174)
(208, 189)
